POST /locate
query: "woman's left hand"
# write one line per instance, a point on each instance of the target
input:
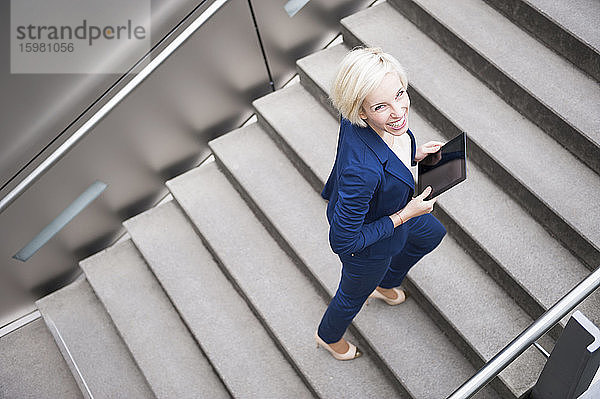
(426, 149)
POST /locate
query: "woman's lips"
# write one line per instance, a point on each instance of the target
(399, 124)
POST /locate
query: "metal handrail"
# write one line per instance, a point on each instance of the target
(528, 337)
(106, 108)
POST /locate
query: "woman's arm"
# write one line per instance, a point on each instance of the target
(416, 207)
(348, 232)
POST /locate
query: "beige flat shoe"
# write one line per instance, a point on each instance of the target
(352, 353)
(401, 297)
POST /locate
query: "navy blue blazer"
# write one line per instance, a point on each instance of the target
(368, 183)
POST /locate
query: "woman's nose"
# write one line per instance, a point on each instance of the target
(399, 108)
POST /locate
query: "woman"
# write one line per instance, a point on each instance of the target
(377, 229)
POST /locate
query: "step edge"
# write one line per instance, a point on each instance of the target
(174, 302)
(568, 44)
(121, 246)
(218, 258)
(552, 221)
(315, 280)
(65, 352)
(506, 86)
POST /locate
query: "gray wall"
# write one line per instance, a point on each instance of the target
(160, 130)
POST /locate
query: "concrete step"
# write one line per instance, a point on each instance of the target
(304, 231)
(532, 266)
(477, 228)
(32, 366)
(249, 154)
(570, 28)
(86, 336)
(314, 124)
(513, 261)
(227, 330)
(476, 313)
(286, 302)
(563, 101)
(546, 180)
(159, 341)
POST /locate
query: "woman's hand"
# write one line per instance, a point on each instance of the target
(426, 149)
(416, 207)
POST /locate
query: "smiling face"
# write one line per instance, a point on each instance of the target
(385, 109)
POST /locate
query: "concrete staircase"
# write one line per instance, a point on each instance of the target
(218, 292)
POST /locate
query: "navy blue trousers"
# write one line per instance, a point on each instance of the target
(360, 276)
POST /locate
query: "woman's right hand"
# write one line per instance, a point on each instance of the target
(416, 207)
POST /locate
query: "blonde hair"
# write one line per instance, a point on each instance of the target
(360, 72)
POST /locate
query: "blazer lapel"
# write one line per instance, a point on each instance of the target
(391, 163)
(397, 168)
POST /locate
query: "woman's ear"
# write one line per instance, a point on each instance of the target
(362, 114)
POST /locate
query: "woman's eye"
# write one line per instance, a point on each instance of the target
(400, 93)
(379, 107)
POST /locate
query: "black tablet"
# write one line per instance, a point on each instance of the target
(445, 168)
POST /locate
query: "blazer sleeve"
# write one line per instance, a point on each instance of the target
(348, 232)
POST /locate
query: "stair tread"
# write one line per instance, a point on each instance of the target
(530, 255)
(228, 331)
(251, 146)
(301, 130)
(478, 309)
(93, 342)
(283, 297)
(32, 366)
(495, 126)
(497, 223)
(561, 87)
(163, 348)
(580, 17)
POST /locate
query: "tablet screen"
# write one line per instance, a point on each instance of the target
(445, 168)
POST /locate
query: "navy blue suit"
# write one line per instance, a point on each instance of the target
(368, 183)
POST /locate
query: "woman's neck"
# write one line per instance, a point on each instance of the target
(387, 138)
